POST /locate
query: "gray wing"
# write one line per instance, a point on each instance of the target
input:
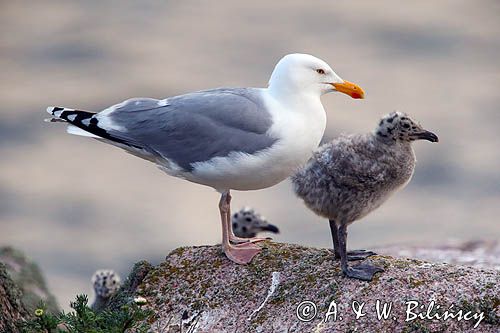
(194, 127)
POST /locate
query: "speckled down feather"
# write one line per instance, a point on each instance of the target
(354, 174)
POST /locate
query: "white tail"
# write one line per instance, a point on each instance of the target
(72, 129)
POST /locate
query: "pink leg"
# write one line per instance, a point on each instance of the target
(240, 253)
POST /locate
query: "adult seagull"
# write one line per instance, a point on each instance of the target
(226, 138)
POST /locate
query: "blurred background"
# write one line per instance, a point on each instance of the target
(75, 205)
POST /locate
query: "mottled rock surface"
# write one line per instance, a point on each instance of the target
(11, 307)
(28, 277)
(199, 289)
(478, 253)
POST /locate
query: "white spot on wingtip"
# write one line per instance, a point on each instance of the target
(72, 117)
(50, 109)
(163, 102)
(107, 123)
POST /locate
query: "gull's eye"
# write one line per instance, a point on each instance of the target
(320, 71)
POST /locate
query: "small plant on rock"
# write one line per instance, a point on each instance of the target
(131, 317)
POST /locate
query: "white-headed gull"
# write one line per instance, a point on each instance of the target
(226, 138)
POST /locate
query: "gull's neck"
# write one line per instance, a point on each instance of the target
(293, 98)
(298, 114)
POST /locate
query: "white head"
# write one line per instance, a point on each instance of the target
(297, 73)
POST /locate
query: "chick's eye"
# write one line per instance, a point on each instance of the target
(320, 71)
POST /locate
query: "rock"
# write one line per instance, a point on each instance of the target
(199, 289)
(28, 277)
(129, 287)
(478, 253)
(11, 307)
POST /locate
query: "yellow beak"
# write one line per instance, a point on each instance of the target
(350, 89)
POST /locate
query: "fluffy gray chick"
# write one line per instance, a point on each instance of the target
(247, 223)
(106, 283)
(352, 175)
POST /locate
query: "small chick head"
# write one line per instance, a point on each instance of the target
(106, 283)
(247, 223)
(399, 127)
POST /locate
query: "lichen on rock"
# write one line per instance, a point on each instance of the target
(197, 288)
(12, 309)
(29, 279)
(129, 288)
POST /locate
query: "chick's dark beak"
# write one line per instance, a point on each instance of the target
(271, 228)
(429, 136)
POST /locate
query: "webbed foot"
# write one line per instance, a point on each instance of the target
(356, 255)
(362, 272)
(239, 240)
(359, 254)
(242, 253)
